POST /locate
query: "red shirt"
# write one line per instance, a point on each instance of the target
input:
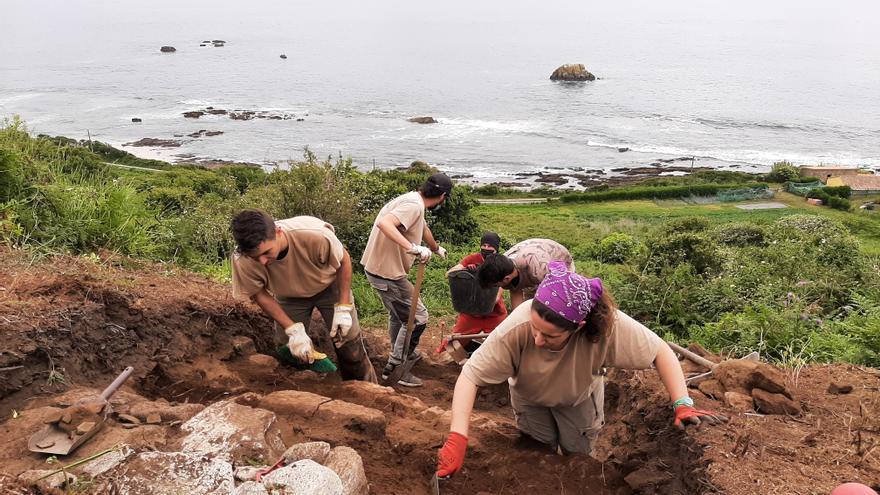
(476, 259)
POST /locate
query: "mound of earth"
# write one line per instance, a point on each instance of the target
(69, 325)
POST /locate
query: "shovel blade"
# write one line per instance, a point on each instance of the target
(54, 440)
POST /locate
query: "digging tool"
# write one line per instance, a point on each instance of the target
(401, 369)
(458, 336)
(434, 485)
(753, 356)
(54, 440)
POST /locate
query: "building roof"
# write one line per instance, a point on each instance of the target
(829, 168)
(861, 182)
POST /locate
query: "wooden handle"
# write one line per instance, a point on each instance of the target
(414, 304)
(111, 389)
(690, 355)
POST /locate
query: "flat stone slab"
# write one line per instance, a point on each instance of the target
(762, 206)
(228, 428)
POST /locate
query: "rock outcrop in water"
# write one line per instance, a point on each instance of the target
(572, 72)
(167, 49)
(422, 120)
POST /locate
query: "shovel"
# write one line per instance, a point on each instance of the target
(407, 364)
(54, 440)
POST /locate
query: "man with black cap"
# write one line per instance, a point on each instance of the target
(468, 324)
(394, 245)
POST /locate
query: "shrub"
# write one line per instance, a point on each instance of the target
(694, 248)
(685, 224)
(783, 172)
(839, 191)
(741, 234)
(810, 224)
(839, 203)
(652, 192)
(617, 248)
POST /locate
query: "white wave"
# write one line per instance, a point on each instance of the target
(5, 100)
(510, 126)
(202, 103)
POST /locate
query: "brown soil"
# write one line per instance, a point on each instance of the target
(69, 322)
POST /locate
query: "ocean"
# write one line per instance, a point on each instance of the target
(737, 85)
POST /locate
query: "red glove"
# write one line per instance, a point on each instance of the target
(689, 415)
(451, 455)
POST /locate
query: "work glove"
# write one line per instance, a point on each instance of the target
(300, 344)
(451, 456)
(422, 252)
(441, 251)
(341, 321)
(687, 415)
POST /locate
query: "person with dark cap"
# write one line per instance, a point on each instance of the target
(469, 324)
(522, 267)
(395, 243)
(551, 350)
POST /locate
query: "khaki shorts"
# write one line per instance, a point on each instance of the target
(574, 429)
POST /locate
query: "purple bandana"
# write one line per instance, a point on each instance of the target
(568, 294)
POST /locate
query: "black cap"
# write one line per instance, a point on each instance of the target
(492, 239)
(439, 182)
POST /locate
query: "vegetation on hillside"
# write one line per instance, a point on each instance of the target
(799, 284)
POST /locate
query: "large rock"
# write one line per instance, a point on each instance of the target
(742, 376)
(260, 367)
(738, 401)
(250, 488)
(192, 473)
(422, 120)
(572, 72)
(49, 483)
(769, 403)
(106, 462)
(228, 428)
(386, 399)
(347, 463)
(293, 402)
(168, 412)
(167, 49)
(304, 478)
(315, 451)
(354, 417)
(712, 388)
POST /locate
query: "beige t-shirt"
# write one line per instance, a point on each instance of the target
(541, 377)
(313, 258)
(383, 256)
(530, 257)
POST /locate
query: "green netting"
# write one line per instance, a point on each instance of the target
(802, 188)
(727, 195)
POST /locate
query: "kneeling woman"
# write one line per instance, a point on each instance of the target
(552, 350)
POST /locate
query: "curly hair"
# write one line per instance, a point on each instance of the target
(250, 228)
(493, 270)
(597, 323)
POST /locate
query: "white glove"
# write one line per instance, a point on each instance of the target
(441, 251)
(300, 344)
(422, 252)
(341, 321)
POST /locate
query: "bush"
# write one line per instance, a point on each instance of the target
(696, 249)
(783, 172)
(839, 203)
(685, 224)
(839, 191)
(741, 234)
(617, 248)
(811, 224)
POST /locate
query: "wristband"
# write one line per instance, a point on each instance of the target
(684, 401)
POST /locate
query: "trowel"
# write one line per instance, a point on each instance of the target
(54, 440)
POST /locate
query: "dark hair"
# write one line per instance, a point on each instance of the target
(491, 239)
(597, 323)
(250, 228)
(436, 185)
(493, 270)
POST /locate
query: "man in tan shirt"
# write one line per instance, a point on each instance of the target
(522, 267)
(393, 246)
(289, 268)
(551, 351)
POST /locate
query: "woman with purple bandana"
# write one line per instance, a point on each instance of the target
(552, 350)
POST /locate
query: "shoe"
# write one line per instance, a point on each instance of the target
(386, 372)
(410, 380)
(414, 356)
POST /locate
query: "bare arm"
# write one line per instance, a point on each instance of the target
(455, 268)
(670, 373)
(462, 404)
(271, 307)
(388, 225)
(343, 278)
(428, 237)
(516, 298)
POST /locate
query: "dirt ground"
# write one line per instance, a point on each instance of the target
(67, 323)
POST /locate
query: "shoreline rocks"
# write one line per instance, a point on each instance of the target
(422, 120)
(167, 49)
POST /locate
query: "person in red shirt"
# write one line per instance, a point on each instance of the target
(467, 324)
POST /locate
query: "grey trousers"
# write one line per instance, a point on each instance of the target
(574, 429)
(396, 295)
(351, 353)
